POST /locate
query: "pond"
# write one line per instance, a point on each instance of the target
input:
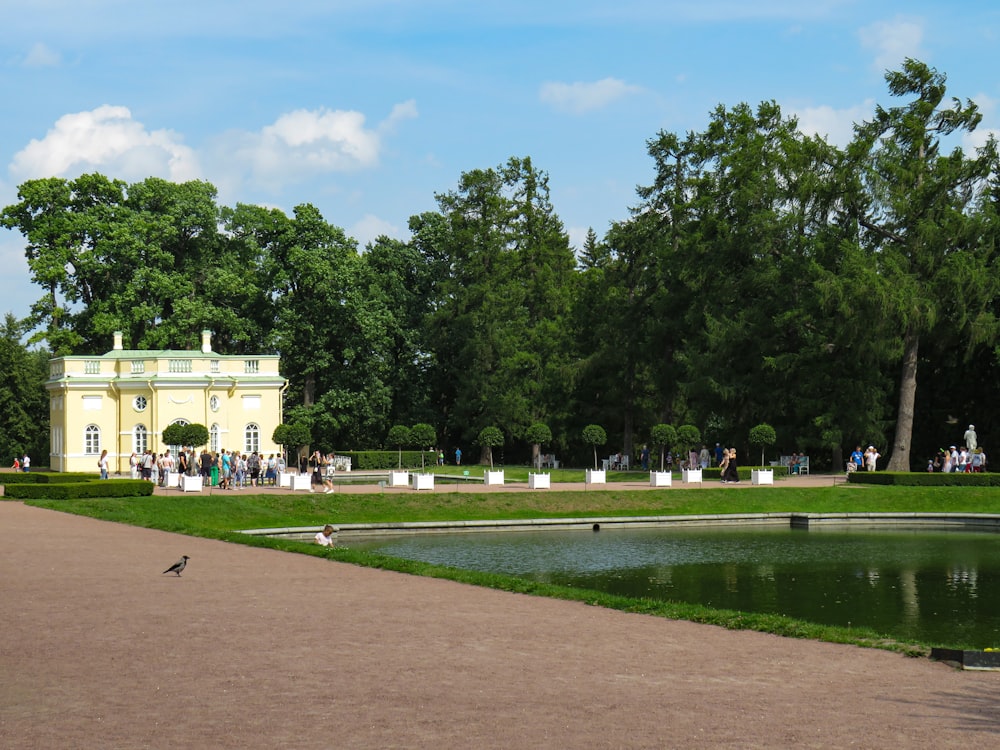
(937, 587)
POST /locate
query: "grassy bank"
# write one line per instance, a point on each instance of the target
(223, 511)
(219, 515)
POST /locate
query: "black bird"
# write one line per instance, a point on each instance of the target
(178, 566)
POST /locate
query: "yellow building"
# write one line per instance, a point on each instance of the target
(122, 400)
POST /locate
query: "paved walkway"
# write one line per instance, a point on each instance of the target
(255, 648)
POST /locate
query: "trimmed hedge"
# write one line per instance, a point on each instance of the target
(78, 490)
(375, 460)
(39, 477)
(924, 479)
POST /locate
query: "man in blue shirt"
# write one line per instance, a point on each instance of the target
(858, 458)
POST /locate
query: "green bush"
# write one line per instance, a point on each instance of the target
(80, 490)
(39, 477)
(924, 479)
(378, 460)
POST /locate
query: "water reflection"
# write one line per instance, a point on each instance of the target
(931, 586)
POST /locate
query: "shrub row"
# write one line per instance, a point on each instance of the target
(375, 460)
(78, 489)
(924, 479)
(39, 477)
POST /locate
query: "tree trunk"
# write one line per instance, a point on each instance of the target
(900, 458)
(627, 436)
(309, 389)
(536, 456)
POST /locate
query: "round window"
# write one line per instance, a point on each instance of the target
(139, 402)
(213, 403)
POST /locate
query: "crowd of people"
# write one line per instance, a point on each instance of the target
(228, 470)
(959, 459)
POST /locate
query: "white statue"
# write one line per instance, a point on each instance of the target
(971, 441)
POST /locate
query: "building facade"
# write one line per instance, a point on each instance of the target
(121, 401)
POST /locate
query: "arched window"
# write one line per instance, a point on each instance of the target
(213, 438)
(140, 438)
(251, 444)
(92, 440)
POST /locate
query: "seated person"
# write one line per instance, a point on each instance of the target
(325, 537)
(793, 464)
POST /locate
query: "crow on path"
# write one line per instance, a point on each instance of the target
(178, 566)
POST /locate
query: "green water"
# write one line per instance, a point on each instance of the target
(935, 587)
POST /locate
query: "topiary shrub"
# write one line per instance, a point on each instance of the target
(81, 490)
(924, 479)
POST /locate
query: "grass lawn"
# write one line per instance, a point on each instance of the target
(221, 514)
(187, 513)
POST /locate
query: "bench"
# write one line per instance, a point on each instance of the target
(803, 466)
(615, 463)
(549, 461)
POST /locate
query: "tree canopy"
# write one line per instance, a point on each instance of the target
(764, 277)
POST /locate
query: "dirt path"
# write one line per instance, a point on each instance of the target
(256, 648)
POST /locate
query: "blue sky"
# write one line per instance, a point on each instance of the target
(367, 108)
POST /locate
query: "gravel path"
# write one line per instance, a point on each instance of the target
(256, 648)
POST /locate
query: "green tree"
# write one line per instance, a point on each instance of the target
(399, 435)
(147, 259)
(763, 435)
(490, 438)
(501, 343)
(24, 404)
(405, 282)
(688, 437)
(196, 434)
(425, 436)
(332, 324)
(594, 435)
(920, 216)
(757, 278)
(537, 434)
(663, 435)
(191, 435)
(174, 434)
(294, 435)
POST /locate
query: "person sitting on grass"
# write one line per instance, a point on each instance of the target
(325, 537)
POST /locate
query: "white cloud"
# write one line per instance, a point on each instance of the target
(578, 98)
(403, 111)
(836, 125)
(892, 42)
(370, 227)
(305, 143)
(41, 56)
(106, 140)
